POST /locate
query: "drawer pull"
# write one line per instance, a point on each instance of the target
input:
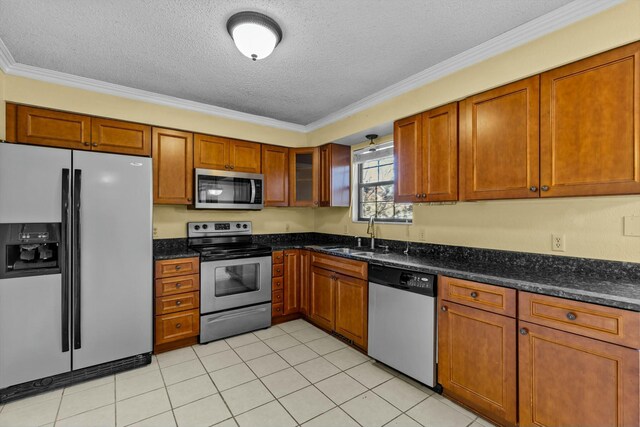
(178, 285)
(474, 294)
(178, 325)
(178, 267)
(571, 316)
(443, 308)
(524, 331)
(178, 303)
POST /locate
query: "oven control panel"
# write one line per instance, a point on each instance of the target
(218, 228)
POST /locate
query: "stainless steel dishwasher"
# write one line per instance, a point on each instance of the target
(402, 321)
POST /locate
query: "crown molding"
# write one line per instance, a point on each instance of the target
(545, 24)
(536, 28)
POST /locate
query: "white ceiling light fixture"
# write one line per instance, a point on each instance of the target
(255, 34)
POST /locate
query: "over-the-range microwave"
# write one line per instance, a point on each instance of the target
(216, 189)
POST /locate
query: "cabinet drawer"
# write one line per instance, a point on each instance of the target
(590, 320)
(177, 267)
(277, 310)
(277, 284)
(349, 267)
(277, 270)
(177, 285)
(479, 295)
(172, 327)
(277, 257)
(277, 297)
(178, 302)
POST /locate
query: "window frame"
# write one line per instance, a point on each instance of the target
(358, 201)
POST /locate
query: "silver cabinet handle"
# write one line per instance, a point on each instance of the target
(178, 303)
(178, 285)
(523, 331)
(474, 295)
(533, 188)
(178, 325)
(443, 308)
(571, 316)
(545, 188)
(178, 267)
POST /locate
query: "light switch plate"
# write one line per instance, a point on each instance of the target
(632, 226)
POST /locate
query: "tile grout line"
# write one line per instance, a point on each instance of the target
(166, 391)
(214, 384)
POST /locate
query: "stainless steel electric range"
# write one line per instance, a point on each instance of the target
(235, 279)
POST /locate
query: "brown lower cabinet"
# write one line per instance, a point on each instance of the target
(578, 364)
(352, 297)
(477, 353)
(322, 298)
(291, 281)
(570, 380)
(177, 303)
(305, 276)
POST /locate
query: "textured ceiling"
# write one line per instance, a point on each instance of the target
(334, 52)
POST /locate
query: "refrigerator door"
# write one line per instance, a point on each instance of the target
(32, 331)
(112, 304)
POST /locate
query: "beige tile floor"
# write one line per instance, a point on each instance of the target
(288, 375)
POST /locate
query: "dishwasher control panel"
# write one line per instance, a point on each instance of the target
(407, 280)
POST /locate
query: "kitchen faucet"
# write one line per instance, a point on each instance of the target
(371, 230)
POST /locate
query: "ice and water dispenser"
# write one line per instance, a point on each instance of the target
(29, 249)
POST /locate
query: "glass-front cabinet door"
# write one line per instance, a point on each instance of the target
(303, 176)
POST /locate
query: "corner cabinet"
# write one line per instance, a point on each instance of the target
(426, 156)
(499, 142)
(172, 167)
(590, 126)
(304, 170)
(335, 175)
(275, 168)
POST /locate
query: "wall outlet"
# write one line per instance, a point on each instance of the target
(632, 226)
(155, 232)
(422, 235)
(346, 229)
(287, 227)
(557, 242)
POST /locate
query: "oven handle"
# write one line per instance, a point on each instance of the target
(236, 315)
(253, 191)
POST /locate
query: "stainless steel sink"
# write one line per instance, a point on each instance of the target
(351, 251)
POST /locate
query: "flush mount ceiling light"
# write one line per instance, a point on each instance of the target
(255, 34)
(372, 145)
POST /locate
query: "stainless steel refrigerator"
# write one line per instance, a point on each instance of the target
(76, 263)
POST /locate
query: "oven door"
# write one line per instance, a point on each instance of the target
(227, 284)
(228, 190)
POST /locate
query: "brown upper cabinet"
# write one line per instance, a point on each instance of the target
(52, 128)
(335, 175)
(304, 170)
(115, 136)
(275, 167)
(426, 156)
(499, 142)
(214, 152)
(40, 126)
(172, 167)
(590, 126)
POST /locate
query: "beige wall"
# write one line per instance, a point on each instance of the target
(592, 226)
(170, 221)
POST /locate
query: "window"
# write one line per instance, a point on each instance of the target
(374, 196)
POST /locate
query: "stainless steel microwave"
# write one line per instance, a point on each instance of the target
(216, 189)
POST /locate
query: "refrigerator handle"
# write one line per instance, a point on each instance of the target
(64, 260)
(77, 333)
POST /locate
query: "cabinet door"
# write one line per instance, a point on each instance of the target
(477, 359)
(499, 142)
(566, 379)
(590, 126)
(244, 156)
(304, 168)
(340, 175)
(291, 281)
(351, 309)
(305, 276)
(440, 153)
(172, 167)
(275, 167)
(53, 128)
(211, 152)
(322, 300)
(115, 136)
(407, 152)
(325, 175)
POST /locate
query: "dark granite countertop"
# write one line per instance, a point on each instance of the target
(610, 283)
